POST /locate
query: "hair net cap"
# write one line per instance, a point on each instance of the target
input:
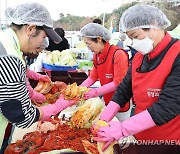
(33, 13)
(94, 30)
(143, 16)
(29, 13)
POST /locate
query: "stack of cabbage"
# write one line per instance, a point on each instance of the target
(87, 114)
(63, 58)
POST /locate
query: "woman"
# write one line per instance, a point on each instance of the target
(153, 80)
(110, 62)
(30, 24)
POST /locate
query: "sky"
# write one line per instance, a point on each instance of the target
(74, 7)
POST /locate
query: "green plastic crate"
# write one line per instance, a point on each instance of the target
(85, 64)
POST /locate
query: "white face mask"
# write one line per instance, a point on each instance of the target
(144, 46)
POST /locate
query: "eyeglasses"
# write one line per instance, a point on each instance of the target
(89, 44)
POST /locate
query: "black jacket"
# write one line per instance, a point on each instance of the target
(63, 45)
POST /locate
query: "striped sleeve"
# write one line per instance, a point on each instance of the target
(13, 87)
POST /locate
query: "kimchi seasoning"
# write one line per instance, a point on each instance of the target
(64, 137)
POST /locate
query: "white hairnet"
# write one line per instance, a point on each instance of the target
(29, 13)
(45, 43)
(33, 13)
(93, 30)
(143, 16)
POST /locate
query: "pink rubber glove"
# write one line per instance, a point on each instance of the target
(34, 95)
(37, 76)
(131, 126)
(110, 133)
(53, 109)
(110, 111)
(95, 92)
(44, 78)
(88, 82)
(38, 97)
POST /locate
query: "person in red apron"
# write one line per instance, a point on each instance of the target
(153, 80)
(110, 62)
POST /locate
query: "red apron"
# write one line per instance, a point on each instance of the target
(146, 89)
(105, 71)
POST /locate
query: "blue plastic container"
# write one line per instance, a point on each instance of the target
(59, 68)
